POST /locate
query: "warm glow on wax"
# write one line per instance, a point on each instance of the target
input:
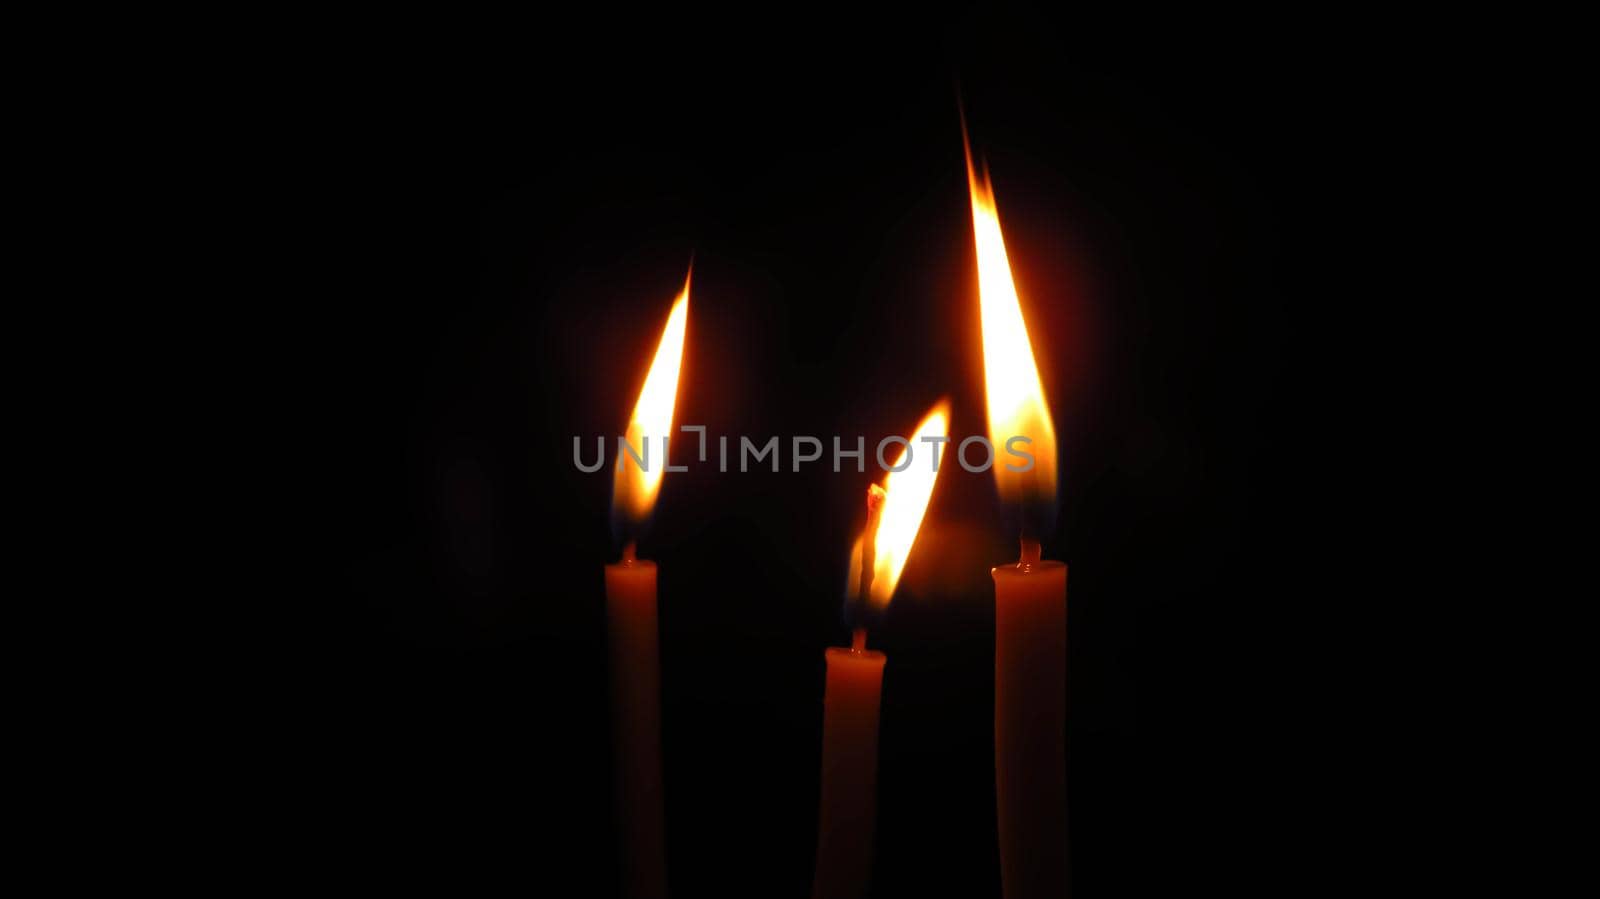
(634, 488)
(1015, 397)
(905, 501)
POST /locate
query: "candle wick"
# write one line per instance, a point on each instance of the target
(1031, 552)
(858, 641)
(629, 553)
(869, 539)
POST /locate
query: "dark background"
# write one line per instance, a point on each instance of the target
(480, 255)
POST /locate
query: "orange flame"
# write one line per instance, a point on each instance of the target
(905, 501)
(1016, 401)
(634, 488)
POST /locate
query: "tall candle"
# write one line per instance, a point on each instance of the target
(631, 631)
(1030, 650)
(631, 624)
(848, 811)
(1030, 736)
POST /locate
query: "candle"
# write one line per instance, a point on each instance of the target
(636, 723)
(632, 634)
(849, 770)
(848, 810)
(1030, 645)
(1030, 700)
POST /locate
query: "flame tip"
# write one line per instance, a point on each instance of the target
(634, 488)
(905, 498)
(1014, 395)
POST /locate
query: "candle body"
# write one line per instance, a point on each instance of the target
(1030, 706)
(636, 725)
(849, 773)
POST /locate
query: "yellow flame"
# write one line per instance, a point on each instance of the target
(1015, 397)
(634, 488)
(905, 501)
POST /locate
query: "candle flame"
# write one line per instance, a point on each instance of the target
(634, 488)
(904, 501)
(1015, 397)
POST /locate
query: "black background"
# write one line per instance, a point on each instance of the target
(478, 260)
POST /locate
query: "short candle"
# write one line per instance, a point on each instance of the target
(851, 699)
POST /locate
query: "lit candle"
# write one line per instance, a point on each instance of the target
(631, 622)
(1030, 644)
(855, 676)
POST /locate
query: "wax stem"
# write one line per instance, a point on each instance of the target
(633, 648)
(858, 641)
(630, 553)
(848, 807)
(1030, 698)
